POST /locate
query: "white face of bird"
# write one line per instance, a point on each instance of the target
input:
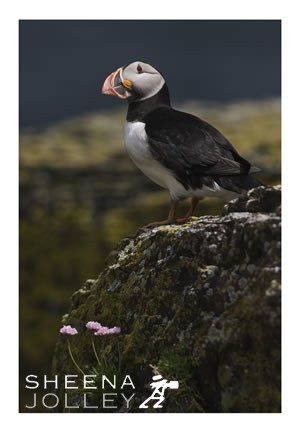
(136, 81)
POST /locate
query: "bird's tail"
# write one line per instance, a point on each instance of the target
(238, 183)
(254, 170)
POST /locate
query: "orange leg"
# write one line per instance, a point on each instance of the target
(190, 212)
(169, 220)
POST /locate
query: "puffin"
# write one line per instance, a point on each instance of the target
(178, 151)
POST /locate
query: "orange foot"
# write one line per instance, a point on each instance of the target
(182, 220)
(158, 223)
(189, 213)
(169, 220)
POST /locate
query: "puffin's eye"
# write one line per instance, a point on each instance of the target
(139, 68)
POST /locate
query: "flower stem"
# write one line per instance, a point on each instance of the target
(72, 358)
(104, 359)
(95, 352)
(119, 357)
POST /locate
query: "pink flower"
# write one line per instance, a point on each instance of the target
(104, 330)
(115, 330)
(93, 325)
(107, 331)
(68, 330)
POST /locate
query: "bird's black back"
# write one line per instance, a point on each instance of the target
(196, 151)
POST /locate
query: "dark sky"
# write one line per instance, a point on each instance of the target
(63, 63)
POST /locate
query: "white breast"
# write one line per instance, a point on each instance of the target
(138, 150)
(136, 142)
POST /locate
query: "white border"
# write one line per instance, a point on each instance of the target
(140, 425)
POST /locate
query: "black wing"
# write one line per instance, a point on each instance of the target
(191, 147)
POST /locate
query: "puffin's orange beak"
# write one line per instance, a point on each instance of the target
(114, 85)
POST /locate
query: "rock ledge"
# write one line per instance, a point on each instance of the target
(201, 301)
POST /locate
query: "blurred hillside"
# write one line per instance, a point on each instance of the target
(79, 194)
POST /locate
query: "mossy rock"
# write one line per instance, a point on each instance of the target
(201, 301)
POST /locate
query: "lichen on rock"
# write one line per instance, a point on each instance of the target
(201, 301)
